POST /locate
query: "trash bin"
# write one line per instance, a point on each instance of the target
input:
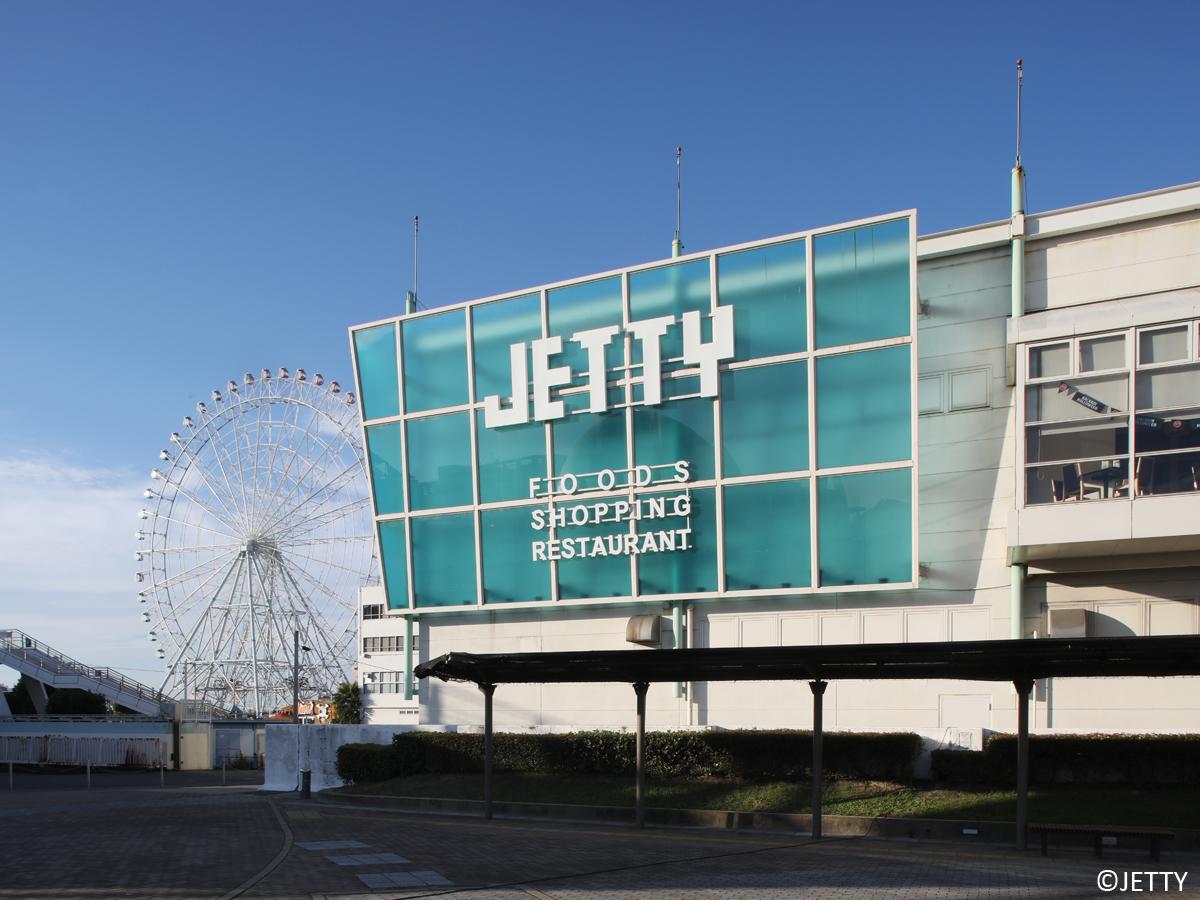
(306, 784)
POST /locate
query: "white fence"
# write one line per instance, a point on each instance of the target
(78, 750)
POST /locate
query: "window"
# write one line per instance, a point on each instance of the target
(385, 683)
(439, 461)
(861, 284)
(767, 535)
(387, 472)
(435, 361)
(373, 611)
(393, 550)
(764, 419)
(766, 288)
(392, 643)
(510, 574)
(495, 327)
(375, 350)
(864, 403)
(1080, 416)
(443, 549)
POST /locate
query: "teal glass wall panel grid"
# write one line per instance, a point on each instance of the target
(864, 528)
(435, 361)
(439, 461)
(387, 469)
(767, 535)
(862, 284)
(864, 407)
(510, 573)
(393, 548)
(508, 458)
(443, 552)
(682, 429)
(580, 307)
(764, 419)
(669, 291)
(693, 570)
(378, 381)
(495, 327)
(767, 288)
(592, 576)
(589, 443)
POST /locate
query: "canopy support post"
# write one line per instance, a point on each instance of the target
(640, 688)
(818, 692)
(1023, 686)
(488, 690)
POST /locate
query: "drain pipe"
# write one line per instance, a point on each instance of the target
(408, 658)
(680, 642)
(1017, 233)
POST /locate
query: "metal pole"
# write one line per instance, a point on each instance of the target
(408, 657)
(677, 629)
(488, 691)
(222, 772)
(1023, 686)
(89, 774)
(818, 692)
(640, 688)
(296, 677)
(10, 775)
(162, 779)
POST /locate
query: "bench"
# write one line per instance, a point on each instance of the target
(1099, 832)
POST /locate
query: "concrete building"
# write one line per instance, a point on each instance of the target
(987, 433)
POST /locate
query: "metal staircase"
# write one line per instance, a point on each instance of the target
(45, 664)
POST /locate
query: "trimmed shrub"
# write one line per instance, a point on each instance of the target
(365, 763)
(1060, 759)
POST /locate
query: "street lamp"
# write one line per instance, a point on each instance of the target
(296, 648)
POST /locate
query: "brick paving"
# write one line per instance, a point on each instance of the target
(127, 838)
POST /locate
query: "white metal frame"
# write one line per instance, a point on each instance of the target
(626, 379)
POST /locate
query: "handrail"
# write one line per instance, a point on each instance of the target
(19, 643)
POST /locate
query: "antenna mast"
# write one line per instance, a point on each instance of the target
(677, 243)
(410, 302)
(1019, 80)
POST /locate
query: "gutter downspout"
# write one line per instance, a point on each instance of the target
(408, 658)
(680, 640)
(1017, 570)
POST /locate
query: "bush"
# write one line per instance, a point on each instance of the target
(1145, 759)
(752, 755)
(364, 763)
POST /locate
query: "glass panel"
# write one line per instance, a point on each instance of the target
(682, 429)
(510, 574)
(670, 291)
(1171, 473)
(1165, 388)
(378, 381)
(580, 307)
(1078, 399)
(593, 576)
(764, 419)
(508, 458)
(387, 472)
(766, 288)
(444, 560)
(1176, 430)
(679, 571)
(1163, 345)
(1094, 480)
(494, 328)
(1051, 361)
(864, 407)
(865, 528)
(767, 535)
(589, 443)
(435, 361)
(395, 563)
(439, 461)
(1077, 440)
(861, 284)
(1102, 353)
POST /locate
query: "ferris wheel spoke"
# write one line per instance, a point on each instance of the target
(324, 562)
(216, 516)
(195, 463)
(216, 446)
(314, 463)
(200, 620)
(317, 519)
(199, 548)
(178, 576)
(344, 475)
(184, 605)
(314, 619)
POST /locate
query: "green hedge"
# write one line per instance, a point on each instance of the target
(365, 763)
(672, 754)
(1136, 759)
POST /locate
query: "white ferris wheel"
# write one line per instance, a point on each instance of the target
(257, 525)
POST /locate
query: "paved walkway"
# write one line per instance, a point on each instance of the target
(129, 838)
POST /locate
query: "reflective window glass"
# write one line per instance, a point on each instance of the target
(1172, 473)
(510, 574)
(1167, 388)
(395, 563)
(387, 472)
(580, 307)
(444, 560)
(592, 576)
(861, 284)
(588, 443)
(864, 403)
(1050, 361)
(1077, 440)
(1102, 353)
(864, 528)
(677, 571)
(439, 461)
(670, 291)
(767, 535)
(766, 288)
(1080, 398)
(682, 429)
(378, 382)
(508, 458)
(1163, 345)
(495, 327)
(435, 361)
(764, 419)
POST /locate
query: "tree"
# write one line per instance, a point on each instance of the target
(347, 704)
(19, 701)
(73, 701)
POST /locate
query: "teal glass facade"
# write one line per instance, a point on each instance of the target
(792, 458)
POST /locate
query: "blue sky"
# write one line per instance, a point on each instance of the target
(188, 192)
